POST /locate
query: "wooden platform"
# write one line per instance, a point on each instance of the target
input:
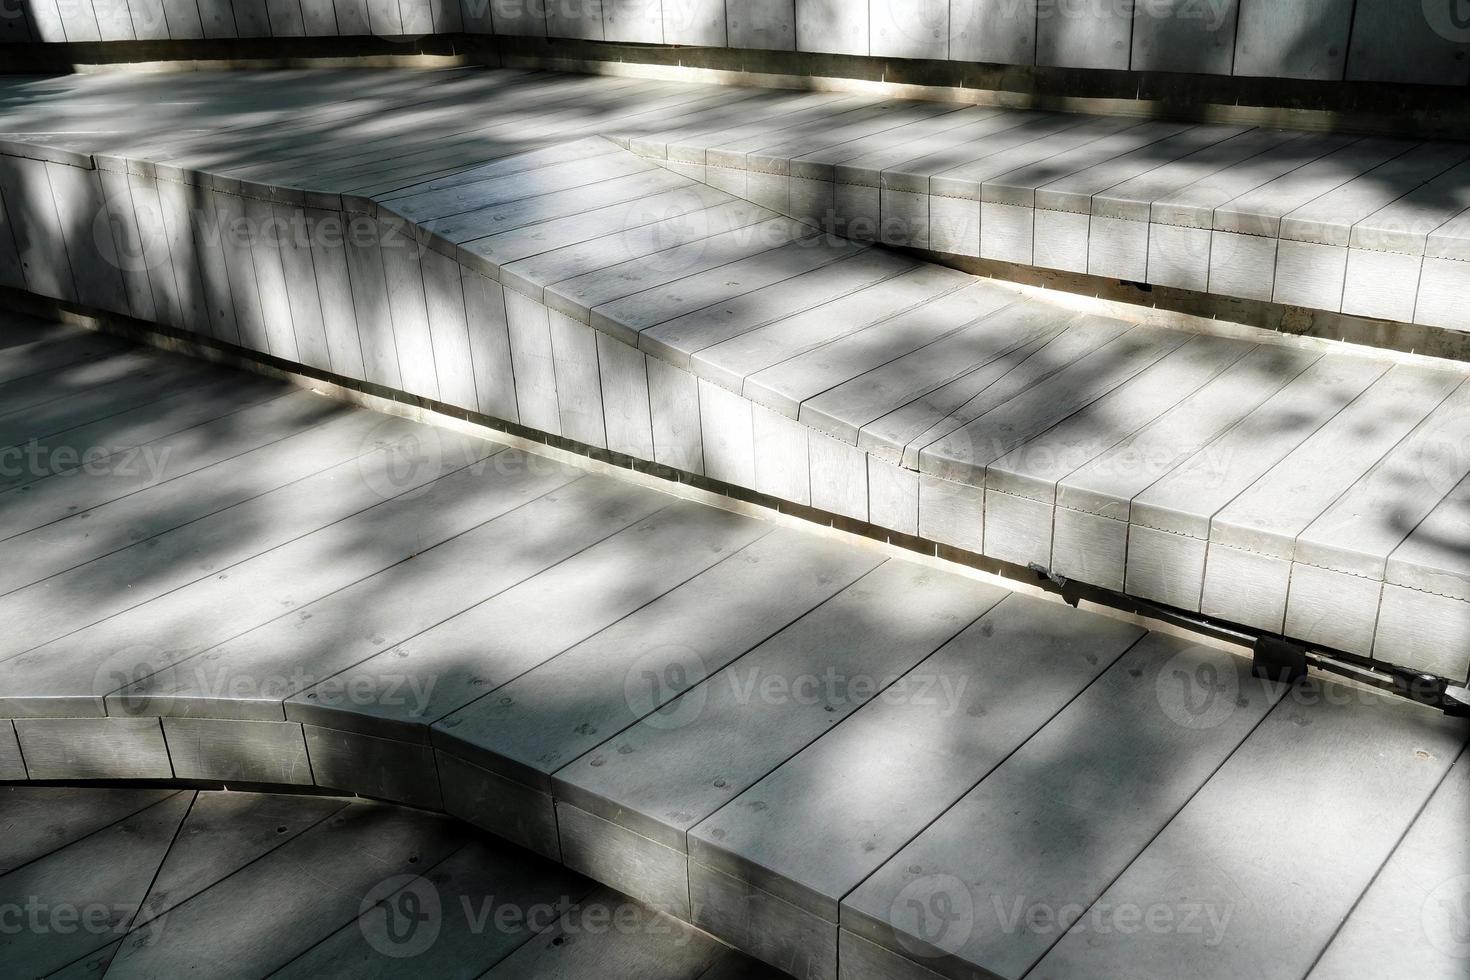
(839, 762)
(157, 882)
(462, 237)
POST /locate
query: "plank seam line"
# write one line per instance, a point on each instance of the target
(1104, 889)
(283, 544)
(1378, 872)
(328, 595)
(163, 858)
(626, 615)
(92, 833)
(1096, 679)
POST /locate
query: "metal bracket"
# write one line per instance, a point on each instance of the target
(1279, 660)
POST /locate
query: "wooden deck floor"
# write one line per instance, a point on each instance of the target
(159, 882)
(842, 763)
(515, 265)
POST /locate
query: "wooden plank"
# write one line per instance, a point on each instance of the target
(240, 424)
(1392, 44)
(161, 632)
(680, 339)
(403, 276)
(1085, 37)
(1107, 484)
(784, 387)
(103, 877)
(687, 539)
(12, 273)
(1417, 897)
(659, 781)
(293, 912)
(1430, 559)
(625, 225)
(627, 416)
(634, 668)
(79, 201)
(467, 228)
(964, 453)
(53, 388)
(1129, 752)
(370, 302)
(270, 277)
(632, 315)
(253, 672)
(1075, 192)
(531, 360)
(1186, 499)
(223, 833)
(31, 213)
(117, 440)
(900, 435)
(1181, 36)
(1267, 517)
(449, 329)
(901, 761)
(909, 29)
(1260, 211)
(378, 768)
(647, 943)
(649, 227)
(151, 380)
(841, 29)
(1194, 205)
(490, 355)
(769, 24)
(93, 748)
(525, 892)
(730, 362)
(1354, 800)
(292, 243)
(210, 494)
(233, 229)
(1330, 219)
(579, 295)
(268, 753)
(515, 178)
(39, 820)
(1307, 40)
(1006, 334)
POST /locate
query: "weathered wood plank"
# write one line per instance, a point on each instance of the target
(1276, 915)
